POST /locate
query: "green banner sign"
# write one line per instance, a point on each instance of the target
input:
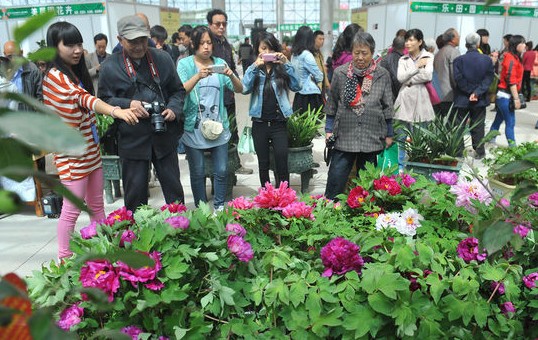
(61, 10)
(523, 12)
(454, 8)
(295, 27)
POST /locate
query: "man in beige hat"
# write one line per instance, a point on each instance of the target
(145, 80)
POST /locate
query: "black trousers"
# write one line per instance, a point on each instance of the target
(273, 133)
(135, 180)
(526, 88)
(476, 115)
(301, 102)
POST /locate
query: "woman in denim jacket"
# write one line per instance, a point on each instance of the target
(308, 71)
(268, 79)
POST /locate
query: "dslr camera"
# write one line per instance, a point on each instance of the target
(157, 120)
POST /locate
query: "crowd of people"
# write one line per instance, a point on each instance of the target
(178, 97)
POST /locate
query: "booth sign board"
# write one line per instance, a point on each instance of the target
(61, 10)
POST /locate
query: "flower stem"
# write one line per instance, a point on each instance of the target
(215, 319)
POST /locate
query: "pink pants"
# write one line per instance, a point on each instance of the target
(90, 189)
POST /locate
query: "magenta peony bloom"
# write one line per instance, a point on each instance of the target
(357, 197)
(241, 203)
(521, 230)
(445, 177)
(127, 237)
(466, 191)
(507, 307)
(468, 250)
(132, 331)
(407, 180)
(271, 198)
(494, 284)
(236, 229)
(533, 199)
(120, 215)
(89, 231)
(241, 248)
(178, 222)
(387, 184)
(504, 202)
(340, 256)
(530, 280)
(100, 274)
(70, 317)
(144, 274)
(298, 210)
(154, 285)
(175, 208)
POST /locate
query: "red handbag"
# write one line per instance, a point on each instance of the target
(434, 97)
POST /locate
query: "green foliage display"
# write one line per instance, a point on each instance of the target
(304, 127)
(522, 158)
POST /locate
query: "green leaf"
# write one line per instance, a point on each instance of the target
(31, 25)
(43, 327)
(405, 319)
(404, 257)
(298, 291)
(361, 321)
(58, 137)
(226, 295)
(15, 154)
(331, 319)
(491, 273)
(425, 253)
(114, 334)
(515, 167)
(275, 289)
(437, 287)
(46, 54)
(496, 236)
(313, 304)
(207, 299)
(481, 312)
(381, 304)
(129, 257)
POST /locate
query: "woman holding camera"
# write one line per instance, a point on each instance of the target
(509, 86)
(206, 121)
(68, 90)
(268, 79)
(359, 115)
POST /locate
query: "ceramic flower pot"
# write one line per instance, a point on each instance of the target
(300, 161)
(501, 189)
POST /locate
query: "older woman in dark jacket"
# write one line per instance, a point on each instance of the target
(359, 115)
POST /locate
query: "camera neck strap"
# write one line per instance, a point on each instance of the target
(131, 72)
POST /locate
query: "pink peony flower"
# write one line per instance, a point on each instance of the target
(89, 231)
(144, 274)
(445, 177)
(504, 202)
(298, 210)
(387, 184)
(271, 198)
(100, 274)
(175, 208)
(70, 317)
(507, 307)
(236, 229)
(120, 215)
(178, 222)
(127, 237)
(357, 197)
(521, 230)
(241, 248)
(154, 285)
(533, 199)
(340, 256)
(468, 250)
(132, 331)
(466, 191)
(241, 203)
(530, 280)
(407, 180)
(494, 284)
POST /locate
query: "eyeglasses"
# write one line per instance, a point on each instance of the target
(219, 24)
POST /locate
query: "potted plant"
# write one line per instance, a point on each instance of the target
(436, 145)
(503, 183)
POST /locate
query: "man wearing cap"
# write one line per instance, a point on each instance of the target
(134, 78)
(473, 74)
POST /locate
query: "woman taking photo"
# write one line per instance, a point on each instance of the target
(308, 71)
(360, 114)
(413, 102)
(204, 78)
(509, 88)
(68, 89)
(268, 79)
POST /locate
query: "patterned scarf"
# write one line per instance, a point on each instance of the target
(354, 93)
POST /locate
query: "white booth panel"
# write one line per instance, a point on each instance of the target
(495, 27)
(376, 25)
(396, 18)
(424, 22)
(534, 32)
(153, 13)
(115, 12)
(518, 25)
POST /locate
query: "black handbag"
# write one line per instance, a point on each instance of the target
(329, 148)
(512, 105)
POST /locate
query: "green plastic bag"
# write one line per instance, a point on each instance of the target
(388, 159)
(246, 143)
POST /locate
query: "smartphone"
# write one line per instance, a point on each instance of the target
(269, 57)
(217, 68)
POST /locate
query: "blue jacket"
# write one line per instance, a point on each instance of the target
(186, 70)
(308, 71)
(473, 73)
(256, 99)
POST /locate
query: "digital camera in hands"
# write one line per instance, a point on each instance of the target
(217, 68)
(157, 120)
(269, 57)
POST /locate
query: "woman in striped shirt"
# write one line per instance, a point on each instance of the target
(68, 90)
